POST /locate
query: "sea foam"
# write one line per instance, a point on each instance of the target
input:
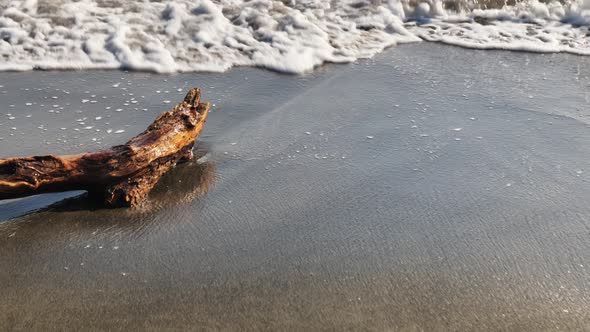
(292, 36)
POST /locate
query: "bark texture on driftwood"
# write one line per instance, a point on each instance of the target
(122, 175)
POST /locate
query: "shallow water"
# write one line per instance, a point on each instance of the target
(394, 193)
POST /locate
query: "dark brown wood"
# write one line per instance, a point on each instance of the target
(122, 175)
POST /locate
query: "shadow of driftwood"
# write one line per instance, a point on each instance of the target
(184, 183)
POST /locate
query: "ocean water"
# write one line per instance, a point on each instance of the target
(293, 36)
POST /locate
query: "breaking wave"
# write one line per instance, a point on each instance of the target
(291, 36)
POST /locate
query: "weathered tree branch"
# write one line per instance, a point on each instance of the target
(122, 175)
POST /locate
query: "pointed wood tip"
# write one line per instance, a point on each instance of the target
(193, 97)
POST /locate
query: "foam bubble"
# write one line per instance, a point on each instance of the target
(529, 26)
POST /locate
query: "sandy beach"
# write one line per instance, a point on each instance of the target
(429, 188)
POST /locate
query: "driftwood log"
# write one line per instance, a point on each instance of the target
(120, 176)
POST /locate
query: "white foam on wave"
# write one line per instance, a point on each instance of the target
(291, 36)
(527, 26)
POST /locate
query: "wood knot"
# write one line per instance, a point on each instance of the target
(190, 120)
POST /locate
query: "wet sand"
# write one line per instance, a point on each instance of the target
(431, 188)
